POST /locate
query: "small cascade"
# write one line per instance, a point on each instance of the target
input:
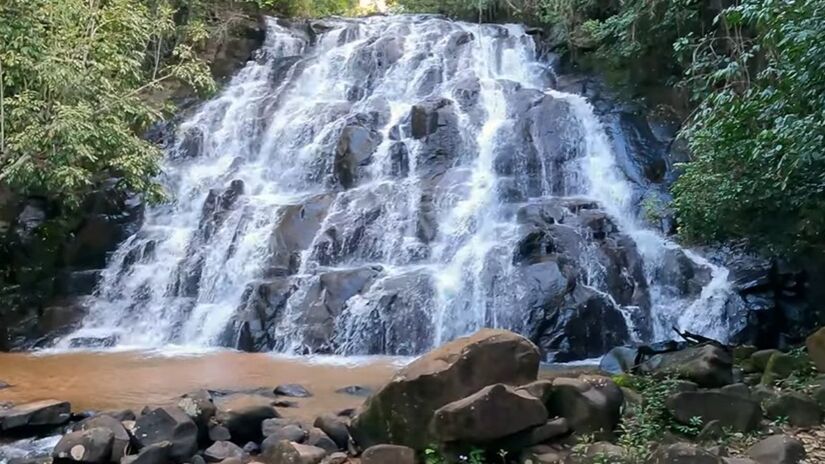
(383, 185)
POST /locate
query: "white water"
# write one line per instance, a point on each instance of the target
(275, 128)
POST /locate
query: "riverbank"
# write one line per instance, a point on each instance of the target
(133, 379)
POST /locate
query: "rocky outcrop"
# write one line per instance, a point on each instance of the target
(93, 446)
(401, 412)
(777, 449)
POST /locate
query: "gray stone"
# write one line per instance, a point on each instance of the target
(243, 415)
(157, 453)
(88, 446)
(335, 427)
(121, 439)
(387, 454)
(170, 424)
(34, 414)
(285, 452)
(492, 413)
(800, 410)
(221, 450)
(683, 453)
(294, 390)
(777, 449)
(709, 366)
(591, 404)
(738, 413)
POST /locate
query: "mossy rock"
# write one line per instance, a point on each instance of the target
(759, 359)
(782, 365)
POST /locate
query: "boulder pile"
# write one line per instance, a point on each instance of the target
(477, 399)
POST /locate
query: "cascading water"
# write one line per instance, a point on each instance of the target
(386, 184)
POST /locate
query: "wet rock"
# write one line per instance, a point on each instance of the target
(393, 317)
(4, 385)
(355, 390)
(567, 334)
(401, 411)
(733, 411)
(384, 454)
(619, 360)
(294, 390)
(683, 453)
(492, 413)
(335, 427)
(591, 404)
(815, 344)
(777, 449)
(120, 437)
(35, 414)
(243, 414)
(800, 410)
(221, 450)
(708, 365)
(285, 452)
(296, 228)
(170, 424)
(93, 445)
(354, 150)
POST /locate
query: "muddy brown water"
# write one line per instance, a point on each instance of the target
(101, 381)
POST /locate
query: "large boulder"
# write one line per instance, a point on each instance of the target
(739, 413)
(35, 414)
(492, 413)
(800, 410)
(243, 415)
(591, 404)
(709, 365)
(400, 413)
(816, 348)
(92, 446)
(777, 449)
(335, 427)
(170, 424)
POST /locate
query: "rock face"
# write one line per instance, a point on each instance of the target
(120, 437)
(401, 412)
(168, 424)
(93, 445)
(734, 411)
(35, 414)
(491, 413)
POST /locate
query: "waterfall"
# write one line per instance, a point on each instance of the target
(385, 184)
